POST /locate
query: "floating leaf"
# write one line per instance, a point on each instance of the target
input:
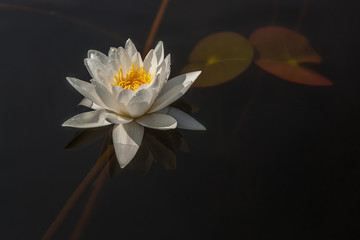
(281, 51)
(221, 57)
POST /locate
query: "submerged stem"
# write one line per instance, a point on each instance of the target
(155, 26)
(77, 193)
(302, 15)
(99, 182)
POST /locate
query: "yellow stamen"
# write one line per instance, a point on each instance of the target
(133, 79)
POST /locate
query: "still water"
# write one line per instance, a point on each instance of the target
(279, 160)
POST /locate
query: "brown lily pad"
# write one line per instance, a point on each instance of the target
(281, 51)
(221, 57)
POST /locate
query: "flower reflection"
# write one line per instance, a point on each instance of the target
(156, 146)
(132, 94)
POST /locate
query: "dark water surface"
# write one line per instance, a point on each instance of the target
(284, 166)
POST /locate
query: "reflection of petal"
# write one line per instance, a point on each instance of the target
(87, 103)
(127, 139)
(142, 160)
(130, 48)
(88, 136)
(86, 89)
(184, 120)
(161, 153)
(157, 121)
(173, 90)
(87, 120)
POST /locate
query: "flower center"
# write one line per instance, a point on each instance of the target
(133, 79)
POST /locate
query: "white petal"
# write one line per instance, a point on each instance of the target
(127, 139)
(125, 96)
(167, 67)
(87, 103)
(114, 59)
(165, 110)
(158, 81)
(86, 89)
(157, 121)
(130, 48)
(159, 52)
(106, 97)
(98, 56)
(136, 60)
(87, 120)
(117, 119)
(173, 90)
(125, 60)
(184, 120)
(139, 103)
(96, 69)
(150, 63)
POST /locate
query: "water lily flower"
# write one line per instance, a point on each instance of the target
(131, 94)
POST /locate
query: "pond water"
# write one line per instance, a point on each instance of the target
(279, 160)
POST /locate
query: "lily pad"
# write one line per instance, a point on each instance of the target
(281, 51)
(221, 57)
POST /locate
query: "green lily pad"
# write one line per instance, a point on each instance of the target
(221, 57)
(281, 51)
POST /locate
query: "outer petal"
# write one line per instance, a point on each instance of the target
(87, 90)
(102, 58)
(130, 48)
(87, 103)
(127, 139)
(87, 120)
(184, 120)
(157, 121)
(173, 90)
(96, 69)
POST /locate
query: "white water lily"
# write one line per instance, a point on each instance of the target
(131, 94)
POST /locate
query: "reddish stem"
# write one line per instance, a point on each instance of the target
(302, 15)
(89, 205)
(155, 26)
(77, 193)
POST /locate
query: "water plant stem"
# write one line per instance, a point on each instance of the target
(99, 182)
(155, 26)
(77, 193)
(302, 15)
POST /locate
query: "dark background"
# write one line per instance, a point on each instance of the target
(278, 160)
